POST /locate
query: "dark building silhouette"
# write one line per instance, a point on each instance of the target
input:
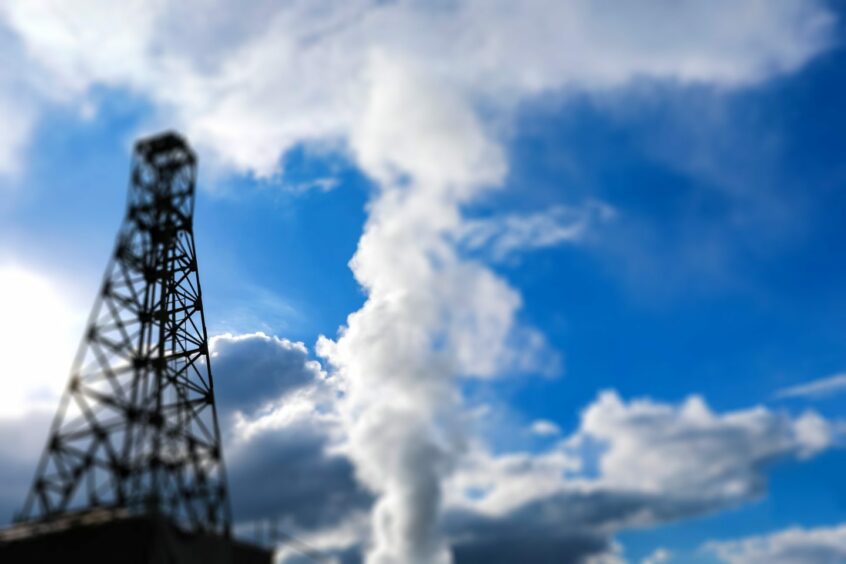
(133, 469)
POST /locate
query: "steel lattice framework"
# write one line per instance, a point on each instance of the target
(137, 427)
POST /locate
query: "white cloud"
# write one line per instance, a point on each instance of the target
(321, 185)
(430, 315)
(18, 121)
(662, 448)
(40, 327)
(628, 465)
(824, 387)
(824, 545)
(659, 556)
(545, 428)
(39, 330)
(256, 368)
(17, 108)
(507, 235)
(684, 454)
(248, 83)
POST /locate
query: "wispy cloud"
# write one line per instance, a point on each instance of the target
(320, 185)
(824, 387)
(507, 235)
(808, 546)
(545, 428)
(660, 556)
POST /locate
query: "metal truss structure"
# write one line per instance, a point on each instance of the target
(137, 429)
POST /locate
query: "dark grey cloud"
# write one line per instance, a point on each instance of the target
(286, 473)
(253, 369)
(22, 439)
(278, 421)
(660, 463)
(568, 548)
(566, 528)
(351, 555)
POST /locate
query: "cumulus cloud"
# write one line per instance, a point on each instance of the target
(628, 465)
(282, 466)
(255, 369)
(291, 451)
(34, 312)
(282, 437)
(792, 546)
(418, 94)
(281, 432)
(291, 454)
(654, 447)
(643, 446)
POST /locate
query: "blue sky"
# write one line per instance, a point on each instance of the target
(658, 218)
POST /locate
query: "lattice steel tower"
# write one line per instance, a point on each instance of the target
(137, 430)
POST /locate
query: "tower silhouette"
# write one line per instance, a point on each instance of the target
(137, 431)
